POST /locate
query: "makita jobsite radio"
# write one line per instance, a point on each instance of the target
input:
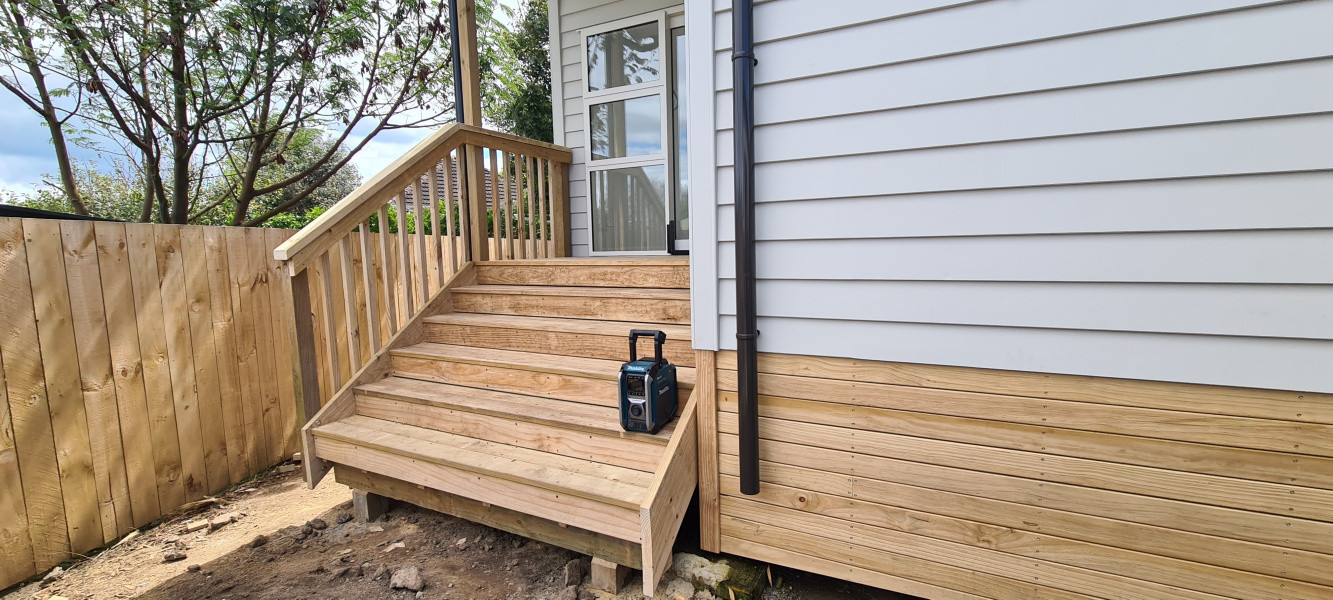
(647, 387)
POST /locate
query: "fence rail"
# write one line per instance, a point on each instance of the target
(141, 367)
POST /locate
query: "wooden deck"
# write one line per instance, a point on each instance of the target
(499, 404)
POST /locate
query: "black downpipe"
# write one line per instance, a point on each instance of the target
(742, 79)
(458, 64)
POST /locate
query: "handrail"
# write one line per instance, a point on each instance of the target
(514, 143)
(300, 250)
(369, 265)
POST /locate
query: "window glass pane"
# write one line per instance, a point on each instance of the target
(679, 147)
(627, 128)
(623, 57)
(628, 209)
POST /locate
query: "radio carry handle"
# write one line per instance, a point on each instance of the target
(659, 338)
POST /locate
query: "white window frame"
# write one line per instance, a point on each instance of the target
(674, 20)
(660, 88)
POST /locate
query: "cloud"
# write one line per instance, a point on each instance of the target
(385, 148)
(24, 173)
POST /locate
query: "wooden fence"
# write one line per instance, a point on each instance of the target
(141, 367)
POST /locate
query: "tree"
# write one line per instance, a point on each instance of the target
(114, 193)
(209, 92)
(323, 187)
(525, 106)
(21, 52)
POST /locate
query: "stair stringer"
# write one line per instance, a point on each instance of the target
(663, 508)
(343, 403)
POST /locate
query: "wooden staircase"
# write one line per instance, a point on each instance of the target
(499, 404)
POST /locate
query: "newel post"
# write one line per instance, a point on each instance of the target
(474, 217)
(560, 208)
(478, 226)
(305, 369)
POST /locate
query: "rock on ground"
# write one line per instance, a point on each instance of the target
(407, 578)
(575, 570)
(725, 578)
(54, 575)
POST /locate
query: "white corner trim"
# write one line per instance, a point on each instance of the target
(702, 133)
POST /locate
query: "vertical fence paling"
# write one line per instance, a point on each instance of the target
(126, 386)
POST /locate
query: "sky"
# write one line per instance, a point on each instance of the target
(26, 154)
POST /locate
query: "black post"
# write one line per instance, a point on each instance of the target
(742, 77)
(458, 63)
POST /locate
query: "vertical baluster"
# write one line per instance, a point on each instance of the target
(404, 258)
(499, 203)
(436, 259)
(349, 303)
(330, 323)
(474, 203)
(507, 191)
(368, 281)
(541, 206)
(520, 243)
(532, 203)
(449, 212)
(496, 221)
(386, 264)
(419, 202)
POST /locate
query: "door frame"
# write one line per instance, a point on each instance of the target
(666, 21)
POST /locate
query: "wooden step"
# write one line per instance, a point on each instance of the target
(629, 260)
(620, 274)
(574, 379)
(547, 335)
(566, 428)
(607, 304)
(599, 481)
(593, 496)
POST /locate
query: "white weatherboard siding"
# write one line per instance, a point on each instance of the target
(1136, 189)
(567, 18)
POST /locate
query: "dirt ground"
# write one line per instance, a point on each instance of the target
(289, 542)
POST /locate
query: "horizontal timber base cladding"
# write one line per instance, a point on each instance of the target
(948, 482)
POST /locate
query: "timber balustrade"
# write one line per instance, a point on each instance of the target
(363, 269)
